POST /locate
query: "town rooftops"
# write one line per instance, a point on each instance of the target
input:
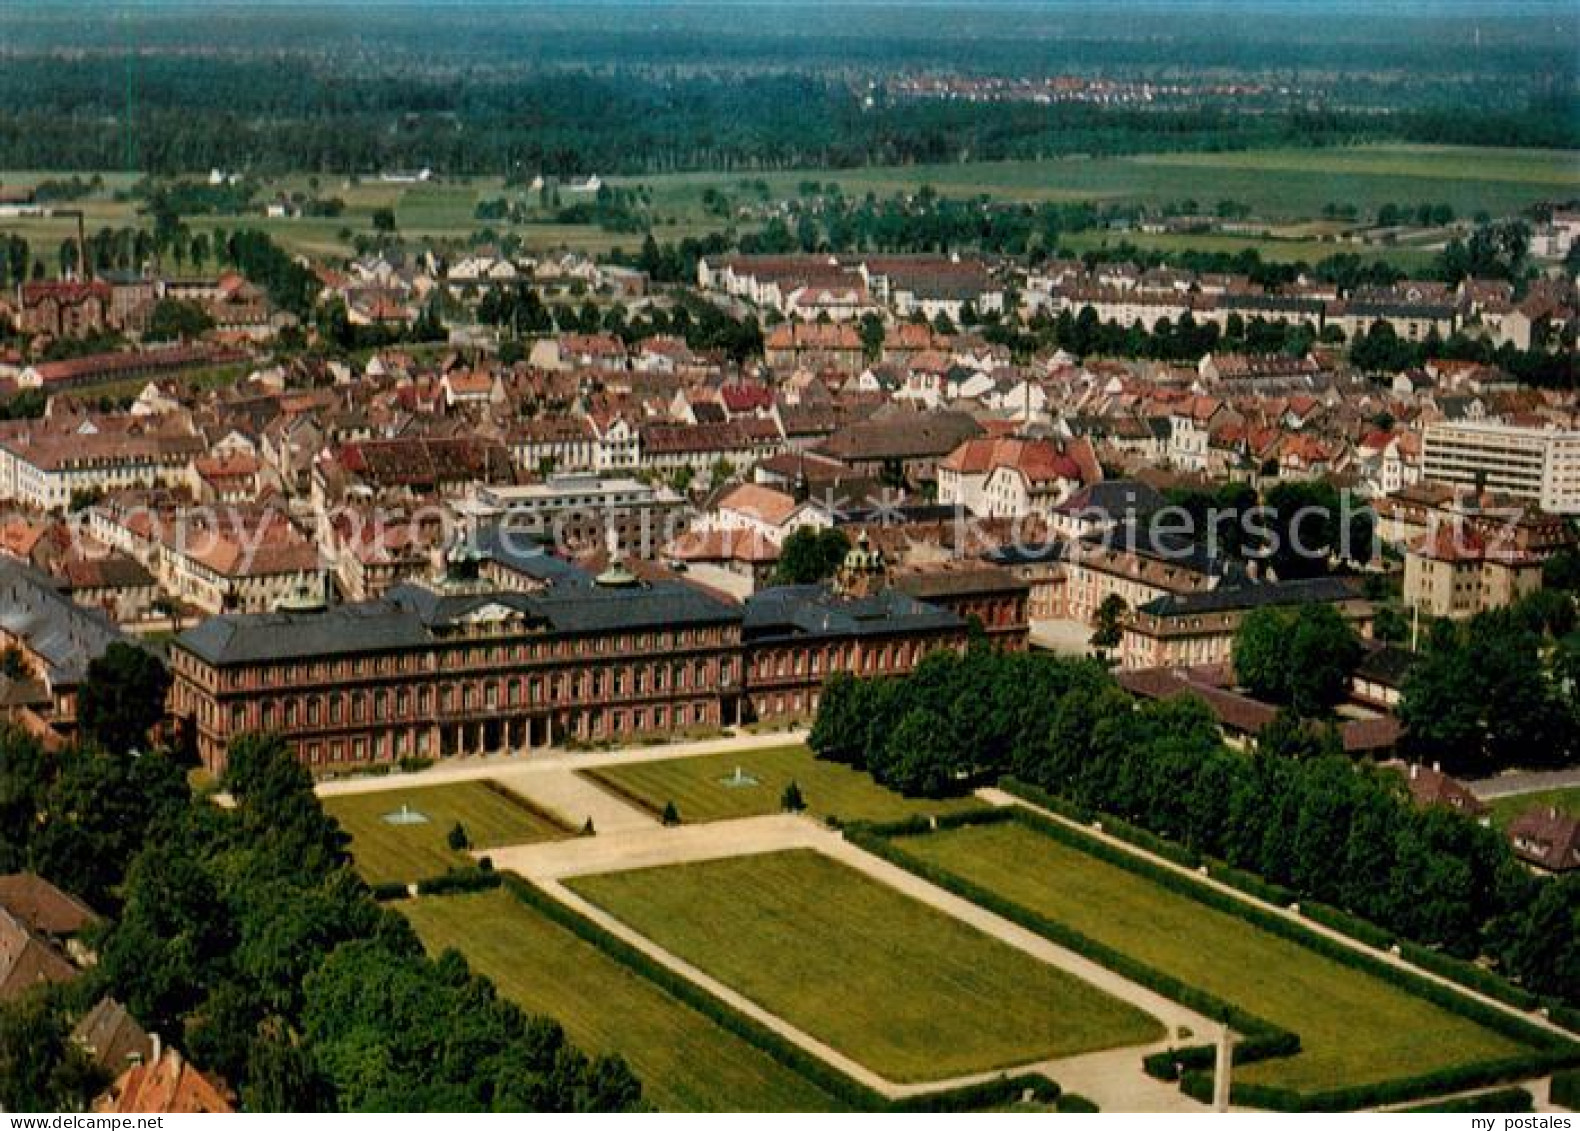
(27, 960)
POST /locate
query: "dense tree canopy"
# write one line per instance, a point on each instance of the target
(1300, 657)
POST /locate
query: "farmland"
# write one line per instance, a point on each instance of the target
(686, 1061)
(709, 789)
(907, 991)
(1354, 1027)
(392, 852)
(1279, 185)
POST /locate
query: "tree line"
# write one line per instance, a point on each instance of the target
(1327, 828)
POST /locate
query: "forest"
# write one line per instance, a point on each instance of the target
(566, 89)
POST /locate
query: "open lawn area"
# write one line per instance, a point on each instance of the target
(685, 1061)
(1354, 1028)
(908, 991)
(1293, 184)
(709, 789)
(386, 851)
(1505, 809)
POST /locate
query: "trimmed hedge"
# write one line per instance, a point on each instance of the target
(997, 1092)
(1072, 1104)
(388, 890)
(1503, 1099)
(458, 881)
(1193, 1064)
(1457, 970)
(1198, 1085)
(972, 1097)
(1566, 1089)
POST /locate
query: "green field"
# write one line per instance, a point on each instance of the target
(386, 852)
(1278, 184)
(685, 1061)
(1354, 1028)
(906, 990)
(1505, 809)
(706, 789)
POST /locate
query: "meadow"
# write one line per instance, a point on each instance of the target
(403, 853)
(686, 1061)
(906, 990)
(1280, 185)
(1355, 1028)
(708, 789)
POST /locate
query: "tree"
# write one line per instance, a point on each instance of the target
(671, 815)
(173, 319)
(384, 220)
(1301, 658)
(1110, 621)
(122, 697)
(41, 1068)
(457, 838)
(791, 800)
(810, 555)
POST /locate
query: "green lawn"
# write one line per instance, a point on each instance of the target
(706, 789)
(685, 1061)
(1354, 1028)
(906, 990)
(1505, 809)
(387, 852)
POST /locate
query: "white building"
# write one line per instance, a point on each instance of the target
(1542, 465)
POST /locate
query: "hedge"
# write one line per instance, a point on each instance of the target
(1198, 1085)
(1457, 970)
(1566, 1089)
(999, 1091)
(458, 881)
(970, 1097)
(388, 890)
(1503, 1099)
(1264, 1040)
(1072, 1104)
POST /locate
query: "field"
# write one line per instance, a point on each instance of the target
(905, 990)
(685, 1061)
(386, 852)
(1505, 809)
(1354, 1028)
(1278, 184)
(704, 789)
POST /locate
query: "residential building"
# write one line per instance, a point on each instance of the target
(1542, 465)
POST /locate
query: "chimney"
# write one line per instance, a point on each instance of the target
(1437, 767)
(158, 1046)
(1415, 770)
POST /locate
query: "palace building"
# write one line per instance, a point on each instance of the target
(465, 666)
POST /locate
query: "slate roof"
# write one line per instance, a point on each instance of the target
(64, 634)
(1316, 590)
(415, 616)
(798, 611)
(43, 906)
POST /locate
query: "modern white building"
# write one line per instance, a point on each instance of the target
(1542, 465)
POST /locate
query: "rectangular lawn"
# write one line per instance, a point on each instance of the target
(708, 788)
(906, 990)
(685, 1061)
(1355, 1028)
(386, 852)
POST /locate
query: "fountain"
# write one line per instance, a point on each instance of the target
(740, 779)
(405, 815)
